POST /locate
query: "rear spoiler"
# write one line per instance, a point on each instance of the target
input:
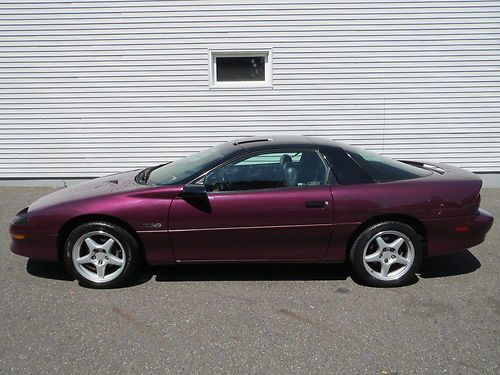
(430, 167)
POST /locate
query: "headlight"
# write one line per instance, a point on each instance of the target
(21, 217)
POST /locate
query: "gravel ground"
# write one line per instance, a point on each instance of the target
(269, 319)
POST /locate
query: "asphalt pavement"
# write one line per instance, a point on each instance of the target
(250, 319)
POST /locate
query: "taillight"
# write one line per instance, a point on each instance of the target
(478, 202)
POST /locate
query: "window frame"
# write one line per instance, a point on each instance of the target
(267, 53)
(330, 178)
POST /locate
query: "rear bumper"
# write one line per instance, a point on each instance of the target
(458, 233)
(33, 245)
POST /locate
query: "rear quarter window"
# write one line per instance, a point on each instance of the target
(384, 169)
(345, 169)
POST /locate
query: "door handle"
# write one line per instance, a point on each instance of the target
(316, 204)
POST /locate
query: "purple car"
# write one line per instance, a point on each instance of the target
(279, 199)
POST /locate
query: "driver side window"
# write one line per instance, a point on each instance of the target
(269, 170)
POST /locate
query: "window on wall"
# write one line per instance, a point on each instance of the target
(240, 69)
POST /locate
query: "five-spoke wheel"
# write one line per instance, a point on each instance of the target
(98, 256)
(387, 254)
(101, 255)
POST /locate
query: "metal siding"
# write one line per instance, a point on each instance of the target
(94, 87)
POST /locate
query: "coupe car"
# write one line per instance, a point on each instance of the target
(277, 199)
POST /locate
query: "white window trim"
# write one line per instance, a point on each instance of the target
(213, 54)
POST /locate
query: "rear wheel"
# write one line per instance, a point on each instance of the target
(101, 255)
(387, 254)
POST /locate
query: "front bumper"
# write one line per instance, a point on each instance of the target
(458, 233)
(33, 245)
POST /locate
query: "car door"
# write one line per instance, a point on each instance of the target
(268, 205)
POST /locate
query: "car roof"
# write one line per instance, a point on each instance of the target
(282, 141)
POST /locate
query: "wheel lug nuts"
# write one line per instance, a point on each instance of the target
(393, 256)
(93, 256)
(385, 260)
(106, 258)
(100, 262)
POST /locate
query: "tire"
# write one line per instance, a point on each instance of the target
(387, 254)
(101, 255)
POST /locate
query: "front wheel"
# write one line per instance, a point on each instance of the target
(387, 254)
(101, 254)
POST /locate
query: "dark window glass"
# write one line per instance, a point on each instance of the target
(251, 68)
(345, 169)
(384, 169)
(269, 171)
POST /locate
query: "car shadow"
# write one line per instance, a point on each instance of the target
(454, 264)
(208, 272)
(250, 272)
(48, 270)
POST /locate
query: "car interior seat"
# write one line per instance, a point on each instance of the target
(311, 169)
(289, 170)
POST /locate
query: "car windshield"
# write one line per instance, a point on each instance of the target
(182, 169)
(384, 169)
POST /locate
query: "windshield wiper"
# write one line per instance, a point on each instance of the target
(143, 176)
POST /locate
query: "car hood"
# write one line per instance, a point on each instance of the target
(102, 186)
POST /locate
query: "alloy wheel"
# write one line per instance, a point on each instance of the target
(388, 255)
(98, 256)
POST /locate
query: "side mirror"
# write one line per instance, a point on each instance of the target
(194, 192)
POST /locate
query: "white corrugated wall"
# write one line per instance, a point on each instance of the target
(92, 87)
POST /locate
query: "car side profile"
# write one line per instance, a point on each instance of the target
(277, 199)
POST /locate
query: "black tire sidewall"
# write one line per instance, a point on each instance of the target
(356, 253)
(130, 247)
